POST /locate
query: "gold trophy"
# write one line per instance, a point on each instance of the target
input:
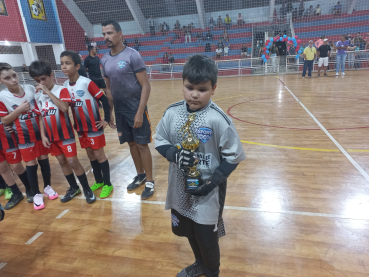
(193, 176)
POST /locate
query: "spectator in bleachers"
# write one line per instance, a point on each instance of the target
(337, 9)
(165, 27)
(207, 47)
(282, 12)
(192, 26)
(318, 10)
(87, 40)
(209, 36)
(273, 54)
(333, 47)
(244, 51)
(160, 29)
(301, 8)
(187, 35)
(199, 38)
(219, 22)
(137, 43)
(351, 55)
(93, 44)
(324, 51)
(341, 47)
(171, 59)
(309, 56)
(359, 41)
(24, 68)
(218, 52)
(220, 44)
(309, 12)
(152, 26)
(319, 42)
(225, 51)
(295, 14)
(177, 26)
(227, 22)
(225, 35)
(124, 42)
(211, 23)
(239, 19)
(227, 44)
(165, 63)
(289, 9)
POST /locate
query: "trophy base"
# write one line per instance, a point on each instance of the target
(192, 183)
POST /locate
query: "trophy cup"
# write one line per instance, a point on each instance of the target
(193, 176)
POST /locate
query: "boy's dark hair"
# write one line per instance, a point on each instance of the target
(39, 68)
(90, 48)
(74, 55)
(5, 66)
(200, 69)
(112, 22)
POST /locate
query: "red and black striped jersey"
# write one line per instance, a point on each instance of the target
(7, 140)
(85, 95)
(26, 126)
(57, 123)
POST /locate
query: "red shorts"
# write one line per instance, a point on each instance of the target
(95, 140)
(33, 150)
(12, 156)
(67, 147)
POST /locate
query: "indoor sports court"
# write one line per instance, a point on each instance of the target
(298, 206)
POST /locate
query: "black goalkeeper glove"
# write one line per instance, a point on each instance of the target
(182, 157)
(215, 180)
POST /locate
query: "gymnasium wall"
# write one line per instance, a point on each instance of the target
(11, 26)
(73, 33)
(15, 60)
(41, 31)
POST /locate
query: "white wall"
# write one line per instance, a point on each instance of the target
(128, 28)
(13, 59)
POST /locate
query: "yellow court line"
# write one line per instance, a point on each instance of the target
(302, 148)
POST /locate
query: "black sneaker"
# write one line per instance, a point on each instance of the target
(90, 196)
(318, 75)
(148, 191)
(71, 192)
(193, 270)
(29, 195)
(14, 200)
(326, 75)
(137, 181)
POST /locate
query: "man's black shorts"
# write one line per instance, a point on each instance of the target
(99, 82)
(126, 132)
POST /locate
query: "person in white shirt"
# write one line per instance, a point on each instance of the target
(226, 49)
(239, 19)
(318, 10)
(218, 52)
(152, 26)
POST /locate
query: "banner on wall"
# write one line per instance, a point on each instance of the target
(37, 9)
(3, 10)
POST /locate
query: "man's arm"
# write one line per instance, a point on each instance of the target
(8, 119)
(63, 106)
(45, 140)
(111, 103)
(144, 82)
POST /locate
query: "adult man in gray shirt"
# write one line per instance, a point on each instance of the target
(152, 26)
(128, 90)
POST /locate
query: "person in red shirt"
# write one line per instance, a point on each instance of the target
(85, 96)
(17, 107)
(56, 129)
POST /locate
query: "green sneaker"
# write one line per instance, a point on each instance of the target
(8, 194)
(105, 192)
(2, 191)
(97, 186)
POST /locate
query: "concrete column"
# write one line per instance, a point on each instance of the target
(137, 14)
(201, 12)
(29, 52)
(172, 7)
(271, 10)
(80, 17)
(58, 48)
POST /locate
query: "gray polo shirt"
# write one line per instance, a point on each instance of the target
(218, 141)
(121, 71)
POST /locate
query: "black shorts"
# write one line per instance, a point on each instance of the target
(127, 133)
(99, 82)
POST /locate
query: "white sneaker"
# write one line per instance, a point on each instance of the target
(38, 202)
(48, 191)
(336, 73)
(343, 74)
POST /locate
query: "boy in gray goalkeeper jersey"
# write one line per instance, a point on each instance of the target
(198, 215)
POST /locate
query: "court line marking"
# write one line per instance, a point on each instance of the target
(302, 148)
(34, 238)
(2, 265)
(63, 213)
(353, 162)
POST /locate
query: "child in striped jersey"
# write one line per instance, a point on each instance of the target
(17, 107)
(56, 129)
(85, 96)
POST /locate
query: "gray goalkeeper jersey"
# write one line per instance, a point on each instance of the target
(218, 141)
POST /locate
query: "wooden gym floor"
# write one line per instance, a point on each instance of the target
(298, 206)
